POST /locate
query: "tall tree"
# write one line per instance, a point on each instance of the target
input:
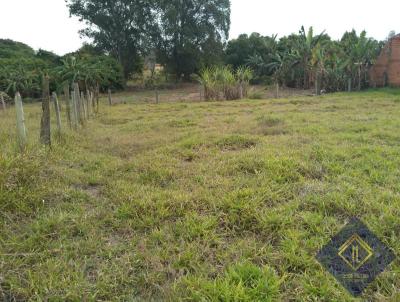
(122, 28)
(279, 66)
(305, 48)
(240, 50)
(262, 54)
(192, 33)
(317, 64)
(361, 52)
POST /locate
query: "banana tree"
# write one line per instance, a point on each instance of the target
(279, 66)
(71, 70)
(361, 52)
(335, 72)
(258, 64)
(318, 66)
(20, 80)
(304, 50)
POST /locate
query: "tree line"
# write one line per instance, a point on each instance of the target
(189, 36)
(79, 77)
(186, 37)
(22, 70)
(306, 59)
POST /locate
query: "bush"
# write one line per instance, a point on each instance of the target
(255, 95)
(21, 69)
(7, 99)
(224, 83)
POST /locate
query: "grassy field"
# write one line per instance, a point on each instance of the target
(222, 201)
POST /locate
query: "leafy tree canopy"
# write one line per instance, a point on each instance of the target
(240, 50)
(11, 49)
(21, 69)
(192, 33)
(186, 33)
(122, 28)
(303, 59)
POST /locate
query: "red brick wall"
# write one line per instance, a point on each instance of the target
(389, 63)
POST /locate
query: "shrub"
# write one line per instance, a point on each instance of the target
(224, 83)
(256, 95)
(236, 142)
(22, 69)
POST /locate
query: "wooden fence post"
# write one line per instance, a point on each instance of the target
(58, 115)
(157, 96)
(84, 109)
(109, 97)
(97, 97)
(318, 83)
(3, 104)
(67, 104)
(93, 103)
(78, 104)
(201, 92)
(83, 104)
(45, 132)
(21, 130)
(74, 113)
(88, 104)
(241, 94)
(277, 90)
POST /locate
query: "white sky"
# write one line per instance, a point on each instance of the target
(46, 23)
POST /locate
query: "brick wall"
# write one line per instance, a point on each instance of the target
(386, 70)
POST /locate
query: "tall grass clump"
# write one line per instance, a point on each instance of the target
(209, 80)
(243, 76)
(223, 83)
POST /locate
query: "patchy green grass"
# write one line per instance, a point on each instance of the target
(221, 201)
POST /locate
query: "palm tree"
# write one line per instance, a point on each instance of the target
(71, 70)
(95, 75)
(335, 71)
(257, 63)
(362, 55)
(361, 52)
(280, 64)
(20, 80)
(318, 66)
(304, 50)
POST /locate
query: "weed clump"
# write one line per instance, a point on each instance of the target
(270, 126)
(269, 121)
(256, 95)
(241, 282)
(156, 177)
(181, 123)
(236, 142)
(222, 83)
(23, 188)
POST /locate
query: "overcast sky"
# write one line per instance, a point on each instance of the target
(46, 23)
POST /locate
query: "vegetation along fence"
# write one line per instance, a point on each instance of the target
(79, 107)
